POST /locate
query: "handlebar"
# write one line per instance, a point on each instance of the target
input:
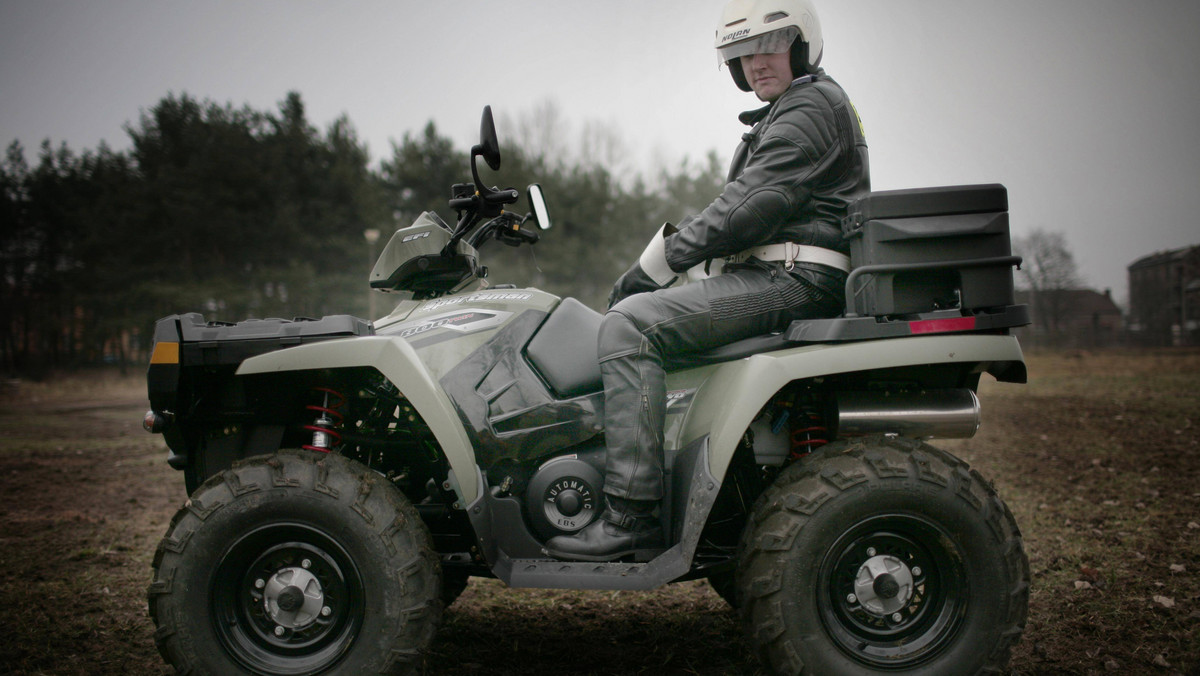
(502, 196)
(476, 202)
(489, 197)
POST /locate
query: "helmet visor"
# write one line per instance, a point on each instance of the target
(775, 42)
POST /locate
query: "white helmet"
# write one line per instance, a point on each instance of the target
(770, 27)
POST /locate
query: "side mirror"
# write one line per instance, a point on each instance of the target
(537, 201)
(489, 143)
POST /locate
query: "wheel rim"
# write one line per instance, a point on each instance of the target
(894, 591)
(286, 599)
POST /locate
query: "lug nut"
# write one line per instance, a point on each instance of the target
(305, 564)
(916, 570)
(851, 598)
(870, 551)
(896, 617)
(279, 630)
(325, 612)
(259, 584)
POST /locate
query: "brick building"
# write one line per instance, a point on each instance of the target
(1164, 298)
(1072, 318)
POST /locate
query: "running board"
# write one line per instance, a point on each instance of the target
(692, 494)
(554, 574)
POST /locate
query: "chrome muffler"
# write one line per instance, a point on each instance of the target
(926, 414)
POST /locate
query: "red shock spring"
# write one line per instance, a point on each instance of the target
(809, 435)
(324, 429)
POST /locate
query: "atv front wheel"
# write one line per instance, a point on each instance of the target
(882, 555)
(295, 563)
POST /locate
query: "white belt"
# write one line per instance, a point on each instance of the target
(794, 253)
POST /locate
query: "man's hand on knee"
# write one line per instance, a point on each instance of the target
(634, 281)
(651, 271)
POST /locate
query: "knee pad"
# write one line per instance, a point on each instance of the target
(619, 334)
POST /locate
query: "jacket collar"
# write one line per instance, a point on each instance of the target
(753, 117)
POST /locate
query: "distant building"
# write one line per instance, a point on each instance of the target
(1072, 318)
(1164, 298)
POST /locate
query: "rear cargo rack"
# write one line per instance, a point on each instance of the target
(848, 329)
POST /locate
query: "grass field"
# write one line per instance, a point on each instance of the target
(1098, 457)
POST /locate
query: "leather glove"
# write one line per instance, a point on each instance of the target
(634, 281)
(650, 273)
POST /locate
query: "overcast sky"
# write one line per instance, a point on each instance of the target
(1086, 109)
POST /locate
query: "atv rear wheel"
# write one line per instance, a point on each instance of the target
(883, 555)
(295, 563)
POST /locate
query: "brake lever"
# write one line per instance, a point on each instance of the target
(512, 234)
(530, 236)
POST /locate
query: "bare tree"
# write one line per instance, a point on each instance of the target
(540, 132)
(1048, 272)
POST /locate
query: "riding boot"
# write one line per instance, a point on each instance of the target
(625, 528)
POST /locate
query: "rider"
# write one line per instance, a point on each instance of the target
(776, 231)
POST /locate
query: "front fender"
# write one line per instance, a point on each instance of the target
(729, 396)
(398, 362)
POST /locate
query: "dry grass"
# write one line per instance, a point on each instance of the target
(1099, 460)
(1097, 457)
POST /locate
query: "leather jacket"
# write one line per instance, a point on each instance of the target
(792, 178)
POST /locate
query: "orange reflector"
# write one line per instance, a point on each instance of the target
(165, 353)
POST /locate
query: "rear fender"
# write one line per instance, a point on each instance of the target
(728, 397)
(398, 362)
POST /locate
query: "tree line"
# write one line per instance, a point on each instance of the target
(237, 213)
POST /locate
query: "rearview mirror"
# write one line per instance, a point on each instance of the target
(537, 202)
(489, 144)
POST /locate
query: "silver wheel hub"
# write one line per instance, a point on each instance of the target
(293, 598)
(883, 585)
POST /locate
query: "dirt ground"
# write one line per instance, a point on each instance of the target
(1098, 457)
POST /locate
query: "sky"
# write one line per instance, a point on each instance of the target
(1087, 110)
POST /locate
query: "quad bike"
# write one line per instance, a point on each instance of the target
(347, 477)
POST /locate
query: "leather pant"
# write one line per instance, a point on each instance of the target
(639, 332)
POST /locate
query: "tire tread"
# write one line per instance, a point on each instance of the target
(783, 510)
(328, 478)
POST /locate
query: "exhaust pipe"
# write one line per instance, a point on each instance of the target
(943, 414)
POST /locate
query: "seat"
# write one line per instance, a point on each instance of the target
(564, 350)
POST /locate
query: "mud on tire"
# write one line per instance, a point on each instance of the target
(295, 563)
(882, 555)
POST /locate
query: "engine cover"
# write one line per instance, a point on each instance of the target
(564, 496)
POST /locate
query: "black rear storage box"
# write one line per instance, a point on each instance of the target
(929, 249)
